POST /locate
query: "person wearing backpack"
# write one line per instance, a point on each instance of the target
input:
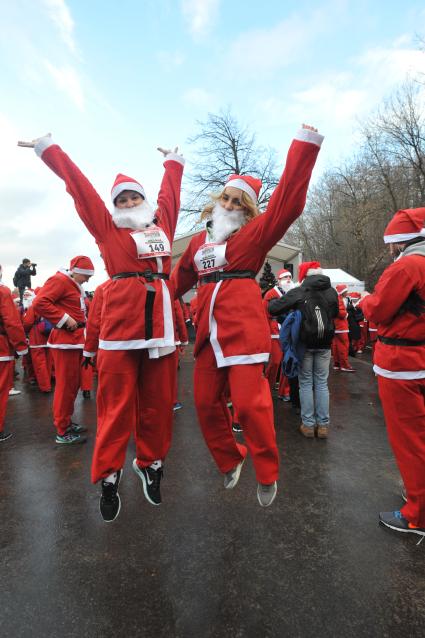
(318, 303)
(22, 277)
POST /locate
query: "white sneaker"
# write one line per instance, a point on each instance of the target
(266, 493)
(12, 392)
(231, 478)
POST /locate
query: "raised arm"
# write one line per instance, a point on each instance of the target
(88, 204)
(169, 193)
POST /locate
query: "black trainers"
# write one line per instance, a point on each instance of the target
(151, 480)
(397, 522)
(70, 438)
(4, 436)
(75, 428)
(110, 502)
(236, 427)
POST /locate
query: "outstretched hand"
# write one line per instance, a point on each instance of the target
(309, 127)
(34, 142)
(167, 151)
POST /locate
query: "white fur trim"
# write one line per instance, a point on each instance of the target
(175, 158)
(83, 271)
(279, 292)
(156, 353)
(314, 271)
(22, 352)
(391, 239)
(306, 135)
(43, 345)
(341, 332)
(6, 358)
(42, 144)
(127, 186)
(399, 374)
(62, 321)
(66, 346)
(88, 354)
(275, 336)
(243, 186)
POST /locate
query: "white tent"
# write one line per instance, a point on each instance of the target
(338, 276)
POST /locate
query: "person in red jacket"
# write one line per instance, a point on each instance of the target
(233, 337)
(38, 331)
(61, 302)
(397, 307)
(12, 340)
(135, 362)
(341, 342)
(284, 283)
(181, 342)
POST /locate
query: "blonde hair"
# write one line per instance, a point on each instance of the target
(251, 208)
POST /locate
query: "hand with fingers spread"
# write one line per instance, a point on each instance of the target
(309, 127)
(34, 142)
(168, 151)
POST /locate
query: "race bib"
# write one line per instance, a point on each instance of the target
(151, 242)
(210, 257)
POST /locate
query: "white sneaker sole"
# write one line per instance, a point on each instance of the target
(119, 502)
(143, 479)
(273, 497)
(235, 479)
(403, 531)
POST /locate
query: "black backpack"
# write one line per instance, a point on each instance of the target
(317, 326)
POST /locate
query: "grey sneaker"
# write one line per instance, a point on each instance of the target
(231, 478)
(266, 493)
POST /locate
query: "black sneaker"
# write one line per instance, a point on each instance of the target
(69, 438)
(151, 480)
(236, 427)
(4, 436)
(75, 428)
(397, 522)
(110, 502)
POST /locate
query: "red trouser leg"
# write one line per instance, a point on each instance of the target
(41, 368)
(403, 403)
(284, 387)
(341, 344)
(176, 389)
(67, 370)
(274, 363)
(6, 372)
(134, 395)
(86, 378)
(251, 397)
(334, 351)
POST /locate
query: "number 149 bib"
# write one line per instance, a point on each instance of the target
(210, 257)
(151, 242)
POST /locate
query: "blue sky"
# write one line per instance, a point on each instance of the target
(113, 80)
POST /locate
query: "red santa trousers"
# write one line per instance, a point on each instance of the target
(284, 387)
(274, 363)
(340, 346)
(135, 395)
(86, 378)
(42, 364)
(6, 375)
(403, 403)
(250, 394)
(67, 371)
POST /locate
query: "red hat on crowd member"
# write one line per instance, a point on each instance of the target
(284, 273)
(355, 295)
(340, 288)
(307, 266)
(248, 184)
(82, 265)
(125, 183)
(405, 225)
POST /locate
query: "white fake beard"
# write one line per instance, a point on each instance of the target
(27, 302)
(225, 222)
(286, 286)
(135, 218)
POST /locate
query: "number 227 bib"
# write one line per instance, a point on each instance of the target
(210, 257)
(151, 242)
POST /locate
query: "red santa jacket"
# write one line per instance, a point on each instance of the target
(33, 326)
(193, 305)
(12, 335)
(274, 293)
(383, 307)
(341, 321)
(231, 313)
(182, 336)
(91, 344)
(123, 316)
(60, 298)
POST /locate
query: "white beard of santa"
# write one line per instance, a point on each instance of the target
(286, 285)
(27, 301)
(226, 222)
(136, 218)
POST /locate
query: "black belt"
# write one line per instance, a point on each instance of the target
(400, 342)
(219, 275)
(146, 274)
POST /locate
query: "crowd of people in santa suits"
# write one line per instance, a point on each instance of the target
(135, 325)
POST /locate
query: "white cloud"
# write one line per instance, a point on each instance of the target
(200, 15)
(68, 81)
(60, 14)
(199, 98)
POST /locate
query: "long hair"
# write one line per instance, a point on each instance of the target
(251, 209)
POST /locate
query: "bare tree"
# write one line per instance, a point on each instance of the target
(223, 147)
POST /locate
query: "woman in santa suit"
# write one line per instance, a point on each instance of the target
(233, 337)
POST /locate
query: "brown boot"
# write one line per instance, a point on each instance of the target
(322, 431)
(307, 431)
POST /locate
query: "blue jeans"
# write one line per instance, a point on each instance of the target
(314, 392)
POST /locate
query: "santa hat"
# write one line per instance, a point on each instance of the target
(284, 273)
(125, 183)
(355, 295)
(82, 265)
(248, 184)
(340, 288)
(308, 268)
(405, 225)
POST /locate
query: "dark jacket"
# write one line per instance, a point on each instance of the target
(294, 299)
(22, 277)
